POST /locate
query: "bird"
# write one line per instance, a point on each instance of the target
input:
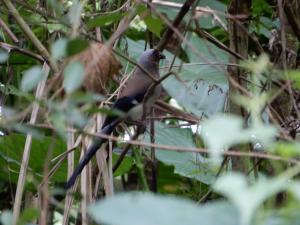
(134, 101)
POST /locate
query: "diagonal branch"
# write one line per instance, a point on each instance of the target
(167, 35)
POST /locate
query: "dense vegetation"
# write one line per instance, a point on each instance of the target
(221, 145)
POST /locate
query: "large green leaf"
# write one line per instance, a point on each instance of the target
(206, 20)
(202, 88)
(11, 153)
(187, 164)
(149, 209)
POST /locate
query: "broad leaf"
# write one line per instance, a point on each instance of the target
(153, 24)
(59, 48)
(11, 152)
(149, 209)
(6, 217)
(203, 87)
(223, 131)
(73, 76)
(75, 13)
(3, 56)
(248, 198)
(31, 78)
(187, 164)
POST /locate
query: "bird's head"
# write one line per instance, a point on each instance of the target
(151, 56)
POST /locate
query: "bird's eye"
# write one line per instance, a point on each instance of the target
(156, 53)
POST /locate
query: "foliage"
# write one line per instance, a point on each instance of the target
(211, 118)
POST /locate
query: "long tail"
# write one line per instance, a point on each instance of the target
(108, 129)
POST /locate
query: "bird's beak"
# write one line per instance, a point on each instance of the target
(161, 56)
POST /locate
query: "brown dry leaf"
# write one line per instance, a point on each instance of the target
(99, 64)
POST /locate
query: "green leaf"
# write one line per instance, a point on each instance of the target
(59, 48)
(148, 209)
(73, 76)
(6, 217)
(187, 164)
(76, 45)
(125, 166)
(74, 116)
(294, 75)
(105, 20)
(203, 87)
(258, 66)
(223, 131)
(11, 153)
(287, 149)
(3, 56)
(206, 20)
(259, 7)
(141, 9)
(248, 198)
(31, 78)
(294, 188)
(154, 25)
(28, 215)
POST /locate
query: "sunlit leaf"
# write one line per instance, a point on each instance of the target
(3, 56)
(59, 48)
(6, 217)
(75, 13)
(73, 76)
(254, 104)
(248, 198)
(149, 209)
(31, 78)
(223, 131)
(74, 116)
(259, 65)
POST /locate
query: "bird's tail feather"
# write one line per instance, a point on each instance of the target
(90, 153)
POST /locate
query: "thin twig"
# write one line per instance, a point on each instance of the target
(233, 152)
(179, 17)
(27, 148)
(10, 47)
(30, 35)
(8, 31)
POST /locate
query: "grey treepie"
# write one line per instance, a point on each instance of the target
(134, 98)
